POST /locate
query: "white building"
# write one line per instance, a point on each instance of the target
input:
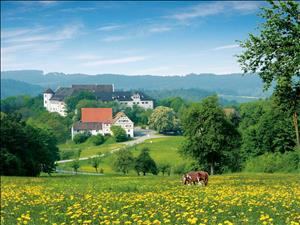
(99, 121)
(139, 100)
(55, 101)
(53, 104)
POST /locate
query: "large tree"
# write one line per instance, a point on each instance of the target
(164, 120)
(274, 53)
(124, 161)
(25, 150)
(144, 163)
(211, 138)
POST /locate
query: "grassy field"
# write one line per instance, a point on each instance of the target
(228, 199)
(88, 149)
(161, 150)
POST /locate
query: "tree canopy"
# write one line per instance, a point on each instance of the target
(164, 120)
(25, 150)
(274, 53)
(145, 164)
(119, 133)
(211, 138)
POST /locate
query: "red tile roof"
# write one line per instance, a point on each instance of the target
(103, 115)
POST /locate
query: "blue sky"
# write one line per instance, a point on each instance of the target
(158, 38)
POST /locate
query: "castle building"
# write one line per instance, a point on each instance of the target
(55, 101)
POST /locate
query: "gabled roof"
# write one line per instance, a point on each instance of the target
(103, 115)
(49, 91)
(118, 116)
(87, 126)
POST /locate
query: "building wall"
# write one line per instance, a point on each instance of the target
(105, 130)
(126, 124)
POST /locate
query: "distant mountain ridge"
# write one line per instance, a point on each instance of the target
(231, 84)
(11, 87)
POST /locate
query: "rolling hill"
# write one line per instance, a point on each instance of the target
(13, 87)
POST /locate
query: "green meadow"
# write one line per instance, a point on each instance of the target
(162, 150)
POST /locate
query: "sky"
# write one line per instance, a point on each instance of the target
(134, 38)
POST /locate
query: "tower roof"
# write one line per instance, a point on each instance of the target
(49, 91)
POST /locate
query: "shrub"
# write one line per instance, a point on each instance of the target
(68, 154)
(180, 169)
(119, 133)
(274, 162)
(81, 137)
(97, 139)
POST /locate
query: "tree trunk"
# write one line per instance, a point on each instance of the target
(144, 173)
(295, 120)
(212, 168)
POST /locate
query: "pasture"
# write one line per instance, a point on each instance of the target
(162, 150)
(228, 199)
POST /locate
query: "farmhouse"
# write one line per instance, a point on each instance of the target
(55, 101)
(99, 121)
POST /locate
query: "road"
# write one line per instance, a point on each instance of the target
(141, 135)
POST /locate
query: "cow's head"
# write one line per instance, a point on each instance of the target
(186, 179)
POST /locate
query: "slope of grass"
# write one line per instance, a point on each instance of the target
(162, 150)
(89, 149)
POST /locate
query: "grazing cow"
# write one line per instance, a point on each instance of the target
(195, 177)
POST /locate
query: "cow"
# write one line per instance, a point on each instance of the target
(195, 177)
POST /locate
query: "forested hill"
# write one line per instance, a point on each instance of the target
(13, 88)
(230, 84)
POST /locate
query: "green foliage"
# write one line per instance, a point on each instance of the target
(145, 164)
(176, 103)
(210, 137)
(24, 105)
(75, 165)
(68, 154)
(81, 137)
(265, 128)
(97, 139)
(119, 133)
(138, 115)
(164, 168)
(95, 162)
(25, 150)
(274, 162)
(180, 169)
(123, 161)
(164, 120)
(73, 100)
(58, 125)
(275, 55)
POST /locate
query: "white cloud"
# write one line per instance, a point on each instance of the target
(101, 62)
(109, 28)
(214, 8)
(67, 32)
(159, 29)
(114, 38)
(78, 9)
(225, 47)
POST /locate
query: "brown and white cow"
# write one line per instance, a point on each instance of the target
(195, 177)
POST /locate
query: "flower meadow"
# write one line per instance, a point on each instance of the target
(228, 199)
